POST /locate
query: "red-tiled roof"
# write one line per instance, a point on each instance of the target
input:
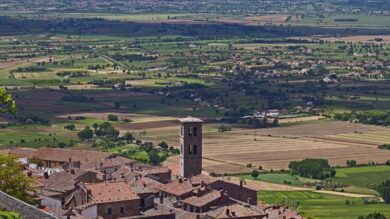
(107, 192)
(109, 162)
(21, 152)
(200, 201)
(63, 155)
(178, 188)
(234, 211)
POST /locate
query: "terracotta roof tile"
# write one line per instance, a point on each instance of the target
(107, 192)
(178, 188)
(200, 201)
(63, 155)
(234, 211)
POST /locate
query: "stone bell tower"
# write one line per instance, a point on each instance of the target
(190, 146)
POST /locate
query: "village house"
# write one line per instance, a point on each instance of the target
(114, 199)
(91, 185)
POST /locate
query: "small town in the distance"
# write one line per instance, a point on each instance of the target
(206, 109)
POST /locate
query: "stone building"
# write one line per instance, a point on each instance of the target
(190, 146)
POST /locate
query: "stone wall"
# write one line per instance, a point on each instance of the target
(27, 211)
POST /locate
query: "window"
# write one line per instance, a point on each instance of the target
(181, 149)
(109, 211)
(195, 149)
(195, 131)
(122, 210)
(190, 149)
(190, 131)
(182, 131)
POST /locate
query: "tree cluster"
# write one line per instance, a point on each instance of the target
(313, 168)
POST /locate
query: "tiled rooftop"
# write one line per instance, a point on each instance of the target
(107, 192)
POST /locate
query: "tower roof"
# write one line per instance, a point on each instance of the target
(190, 119)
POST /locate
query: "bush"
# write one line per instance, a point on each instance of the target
(61, 144)
(384, 146)
(70, 127)
(224, 128)
(85, 134)
(112, 117)
(255, 174)
(351, 163)
(373, 216)
(163, 145)
(384, 190)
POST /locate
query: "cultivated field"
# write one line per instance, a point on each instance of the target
(323, 206)
(274, 148)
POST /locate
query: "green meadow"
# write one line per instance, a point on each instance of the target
(323, 206)
(363, 176)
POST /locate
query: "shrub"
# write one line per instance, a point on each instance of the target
(255, 174)
(384, 146)
(112, 117)
(85, 134)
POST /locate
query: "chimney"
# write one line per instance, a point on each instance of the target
(233, 213)
(227, 212)
(72, 171)
(46, 175)
(70, 163)
(161, 198)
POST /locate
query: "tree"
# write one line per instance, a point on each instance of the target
(85, 134)
(384, 191)
(373, 216)
(255, 174)
(163, 145)
(13, 181)
(154, 157)
(105, 129)
(95, 126)
(7, 103)
(112, 117)
(70, 127)
(313, 168)
(128, 136)
(351, 163)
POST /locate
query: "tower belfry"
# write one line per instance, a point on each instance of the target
(190, 146)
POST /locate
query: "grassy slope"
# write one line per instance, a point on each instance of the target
(278, 178)
(363, 176)
(325, 206)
